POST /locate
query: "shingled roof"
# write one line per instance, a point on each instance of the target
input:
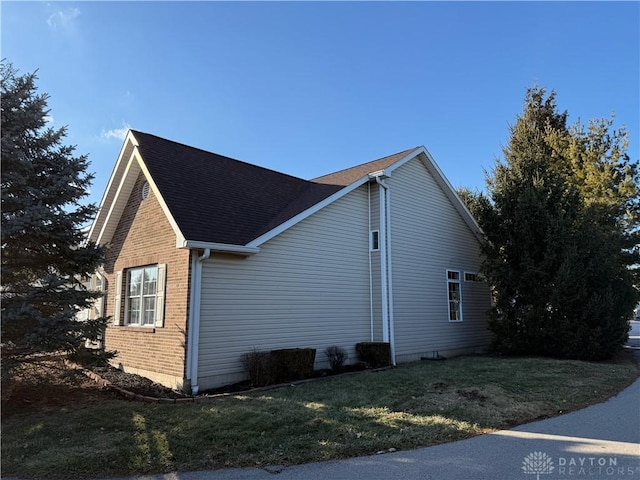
(214, 198)
(350, 175)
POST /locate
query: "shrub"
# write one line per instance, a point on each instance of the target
(293, 363)
(259, 367)
(336, 356)
(376, 354)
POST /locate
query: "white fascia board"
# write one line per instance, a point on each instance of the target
(306, 213)
(387, 171)
(114, 201)
(219, 247)
(116, 175)
(450, 192)
(156, 191)
(378, 174)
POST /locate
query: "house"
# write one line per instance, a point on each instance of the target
(210, 258)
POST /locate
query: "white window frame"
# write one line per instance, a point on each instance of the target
(478, 277)
(141, 297)
(374, 246)
(123, 282)
(454, 281)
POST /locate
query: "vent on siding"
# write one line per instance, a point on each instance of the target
(145, 190)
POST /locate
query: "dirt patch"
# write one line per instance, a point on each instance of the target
(49, 386)
(472, 394)
(136, 383)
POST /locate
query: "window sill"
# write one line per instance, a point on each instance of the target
(133, 328)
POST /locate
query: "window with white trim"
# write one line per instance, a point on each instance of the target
(140, 302)
(143, 296)
(374, 244)
(454, 296)
(473, 277)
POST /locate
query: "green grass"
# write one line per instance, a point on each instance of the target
(414, 405)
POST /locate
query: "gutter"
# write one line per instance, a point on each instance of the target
(194, 318)
(219, 247)
(386, 263)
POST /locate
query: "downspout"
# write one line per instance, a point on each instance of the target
(392, 336)
(385, 268)
(194, 319)
(370, 267)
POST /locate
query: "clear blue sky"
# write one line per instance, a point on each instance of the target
(309, 88)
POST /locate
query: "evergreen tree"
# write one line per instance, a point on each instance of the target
(44, 253)
(560, 225)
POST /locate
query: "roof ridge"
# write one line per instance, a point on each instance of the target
(360, 165)
(209, 152)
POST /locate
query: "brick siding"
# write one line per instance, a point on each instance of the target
(144, 236)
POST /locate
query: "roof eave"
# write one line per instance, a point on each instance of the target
(243, 250)
(129, 165)
(306, 213)
(448, 189)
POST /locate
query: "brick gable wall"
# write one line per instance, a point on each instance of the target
(144, 236)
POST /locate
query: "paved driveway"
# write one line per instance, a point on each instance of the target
(601, 442)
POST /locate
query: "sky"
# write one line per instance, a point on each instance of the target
(308, 88)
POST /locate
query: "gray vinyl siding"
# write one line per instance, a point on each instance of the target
(376, 280)
(429, 237)
(308, 287)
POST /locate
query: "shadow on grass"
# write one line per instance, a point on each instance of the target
(414, 405)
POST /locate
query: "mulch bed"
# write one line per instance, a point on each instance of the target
(136, 383)
(141, 388)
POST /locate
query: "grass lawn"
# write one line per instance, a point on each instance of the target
(413, 405)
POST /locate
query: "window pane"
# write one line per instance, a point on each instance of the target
(134, 311)
(454, 301)
(149, 310)
(453, 275)
(375, 240)
(454, 291)
(454, 312)
(135, 282)
(150, 280)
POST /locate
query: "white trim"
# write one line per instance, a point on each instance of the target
(386, 273)
(129, 143)
(192, 317)
(117, 300)
(156, 192)
(383, 262)
(145, 190)
(193, 342)
(450, 192)
(432, 167)
(219, 247)
(125, 176)
(370, 265)
(112, 206)
(479, 278)
(460, 300)
(373, 233)
(392, 336)
(440, 178)
(158, 306)
(306, 213)
(161, 290)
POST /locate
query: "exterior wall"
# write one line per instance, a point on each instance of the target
(308, 287)
(428, 238)
(144, 236)
(376, 278)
